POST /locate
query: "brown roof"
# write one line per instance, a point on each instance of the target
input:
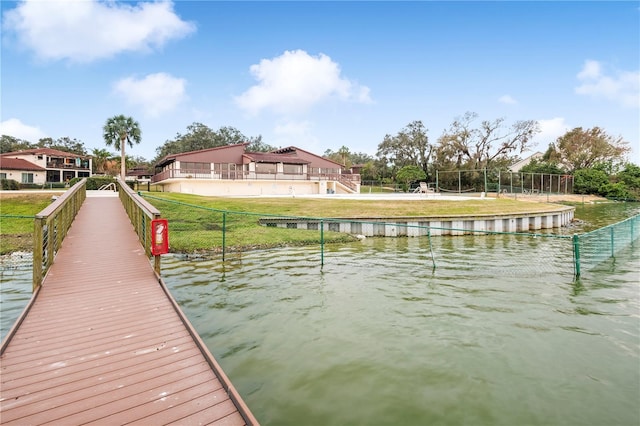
(268, 157)
(169, 157)
(47, 151)
(294, 149)
(7, 163)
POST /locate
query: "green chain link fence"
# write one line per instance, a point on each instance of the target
(595, 247)
(204, 231)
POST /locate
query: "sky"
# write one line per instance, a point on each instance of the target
(317, 75)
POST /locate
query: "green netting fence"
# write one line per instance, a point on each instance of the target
(228, 233)
(203, 231)
(595, 247)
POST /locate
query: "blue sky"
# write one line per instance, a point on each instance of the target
(317, 75)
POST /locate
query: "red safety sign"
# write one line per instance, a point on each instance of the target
(159, 236)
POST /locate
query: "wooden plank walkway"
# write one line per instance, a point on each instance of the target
(103, 343)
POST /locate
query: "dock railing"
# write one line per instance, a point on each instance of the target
(141, 213)
(51, 226)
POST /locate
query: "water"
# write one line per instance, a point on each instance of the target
(492, 336)
(497, 334)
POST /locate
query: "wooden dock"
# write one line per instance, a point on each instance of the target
(103, 342)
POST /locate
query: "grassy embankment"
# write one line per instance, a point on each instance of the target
(194, 229)
(16, 233)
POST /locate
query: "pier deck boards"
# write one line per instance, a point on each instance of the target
(103, 343)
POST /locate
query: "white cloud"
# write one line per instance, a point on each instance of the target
(297, 133)
(295, 81)
(83, 31)
(155, 93)
(507, 99)
(622, 87)
(16, 128)
(550, 130)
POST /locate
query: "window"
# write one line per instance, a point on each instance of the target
(3, 175)
(27, 178)
(265, 168)
(200, 167)
(293, 169)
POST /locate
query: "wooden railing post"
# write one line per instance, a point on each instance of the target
(37, 251)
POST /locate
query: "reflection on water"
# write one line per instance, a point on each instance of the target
(498, 333)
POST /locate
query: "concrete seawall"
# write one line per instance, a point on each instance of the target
(441, 225)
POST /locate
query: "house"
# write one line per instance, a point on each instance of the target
(231, 170)
(139, 173)
(515, 168)
(21, 171)
(53, 166)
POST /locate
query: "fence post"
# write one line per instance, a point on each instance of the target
(576, 254)
(321, 242)
(224, 234)
(433, 260)
(485, 181)
(613, 252)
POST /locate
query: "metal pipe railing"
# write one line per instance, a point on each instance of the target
(51, 226)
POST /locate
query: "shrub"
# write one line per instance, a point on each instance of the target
(9, 185)
(590, 181)
(94, 183)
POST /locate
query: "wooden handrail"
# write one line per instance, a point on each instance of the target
(51, 226)
(141, 213)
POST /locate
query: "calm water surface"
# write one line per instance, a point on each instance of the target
(497, 334)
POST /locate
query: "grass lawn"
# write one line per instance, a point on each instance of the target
(193, 229)
(347, 208)
(16, 233)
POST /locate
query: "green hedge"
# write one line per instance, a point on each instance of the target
(9, 185)
(94, 183)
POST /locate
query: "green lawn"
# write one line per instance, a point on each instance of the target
(17, 232)
(195, 229)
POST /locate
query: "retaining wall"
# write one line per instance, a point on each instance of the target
(444, 225)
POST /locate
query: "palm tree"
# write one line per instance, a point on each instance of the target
(100, 158)
(116, 131)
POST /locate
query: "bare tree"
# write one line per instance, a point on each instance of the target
(486, 145)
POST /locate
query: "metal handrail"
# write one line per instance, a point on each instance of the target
(141, 213)
(51, 226)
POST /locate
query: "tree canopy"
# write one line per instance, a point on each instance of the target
(582, 149)
(199, 136)
(408, 174)
(66, 144)
(409, 147)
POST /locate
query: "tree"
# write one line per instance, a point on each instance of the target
(344, 153)
(583, 149)
(120, 129)
(409, 174)
(490, 144)
(11, 144)
(257, 145)
(410, 147)
(65, 144)
(541, 166)
(590, 181)
(100, 158)
(200, 136)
